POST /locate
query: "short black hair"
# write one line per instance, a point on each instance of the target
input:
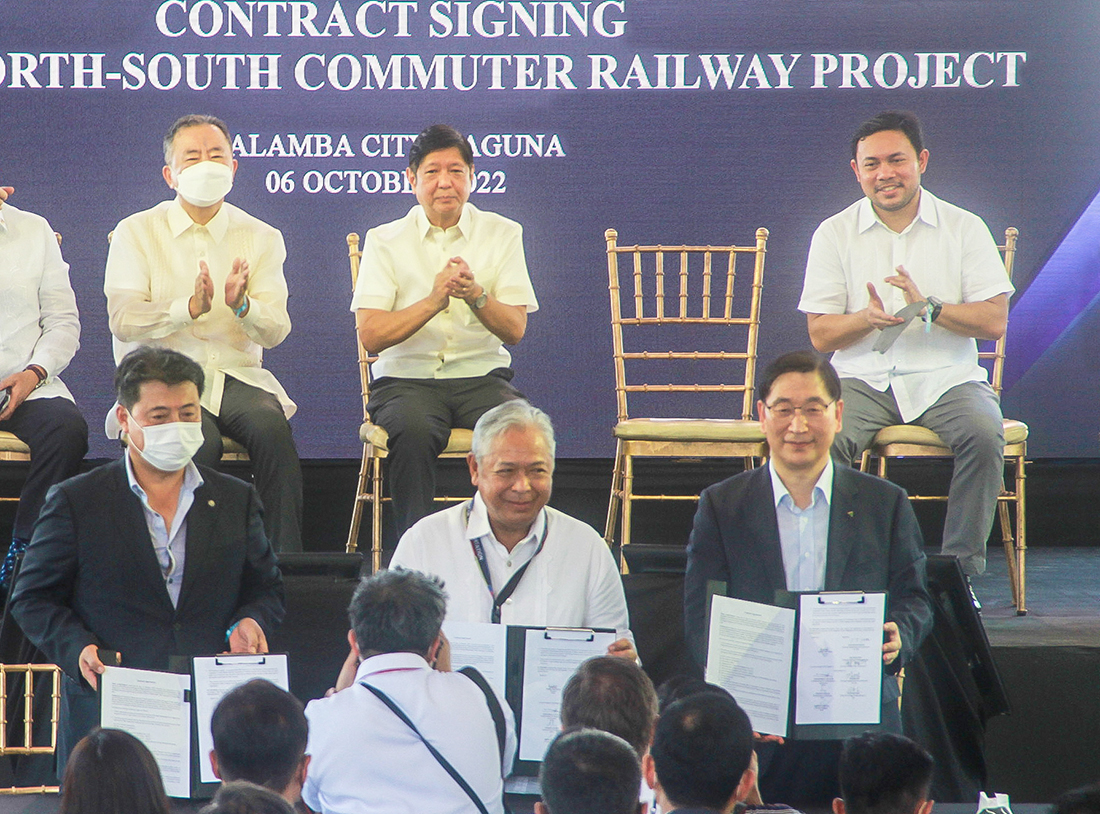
(901, 120)
(883, 773)
(260, 733)
(152, 364)
(587, 771)
(397, 611)
(800, 361)
(242, 797)
(701, 749)
(439, 137)
(192, 120)
(1083, 800)
(111, 771)
(614, 695)
(681, 686)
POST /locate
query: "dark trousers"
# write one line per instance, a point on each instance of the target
(57, 434)
(255, 419)
(418, 415)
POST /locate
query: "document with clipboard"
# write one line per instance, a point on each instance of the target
(529, 666)
(170, 712)
(809, 671)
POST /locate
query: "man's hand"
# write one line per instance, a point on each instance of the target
(236, 285)
(460, 282)
(768, 738)
(623, 649)
(90, 665)
(891, 646)
(247, 637)
(442, 660)
(347, 674)
(203, 297)
(909, 288)
(440, 297)
(874, 314)
(19, 385)
(5, 192)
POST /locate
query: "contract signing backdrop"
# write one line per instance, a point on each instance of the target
(671, 120)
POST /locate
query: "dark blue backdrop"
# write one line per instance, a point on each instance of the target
(1014, 139)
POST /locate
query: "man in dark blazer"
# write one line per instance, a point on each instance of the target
(801, 524)
(149, 556)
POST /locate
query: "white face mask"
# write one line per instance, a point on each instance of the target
(170, 447)
(205, 183)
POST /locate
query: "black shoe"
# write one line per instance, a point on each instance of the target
(973, 596)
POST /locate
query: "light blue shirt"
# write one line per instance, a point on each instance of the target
(804, 533)
(170, 544)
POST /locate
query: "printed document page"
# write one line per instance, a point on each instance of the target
(481, 645)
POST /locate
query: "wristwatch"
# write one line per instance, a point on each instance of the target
(482, 298)
(935, 305)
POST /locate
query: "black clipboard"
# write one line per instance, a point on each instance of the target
(515, 657)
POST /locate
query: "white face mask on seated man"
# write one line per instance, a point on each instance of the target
(205, 183)
(169, 447)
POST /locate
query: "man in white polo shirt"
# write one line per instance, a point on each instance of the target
(899, 285)
(440, 292)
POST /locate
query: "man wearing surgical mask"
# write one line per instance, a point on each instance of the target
(198, 275)
(149, 557)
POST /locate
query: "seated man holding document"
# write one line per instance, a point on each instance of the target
(829, 529)
(505, 556)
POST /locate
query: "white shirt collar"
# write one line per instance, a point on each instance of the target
(926, 211)
(384, 662)
(3, 222)
(192, 480)
(824, 483)
(179, 221)
(478, 525)
(424, 226)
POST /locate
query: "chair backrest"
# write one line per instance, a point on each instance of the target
(354, 256)
(668, 286)
(996, 357)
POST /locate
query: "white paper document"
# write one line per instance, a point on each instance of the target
(481, 645)
(840, 658)
(215, 676)
(551, 656)
(749, 653)
(153, 708)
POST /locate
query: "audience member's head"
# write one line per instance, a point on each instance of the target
(613, 695)
(681, 686)
(586, 771)
(881, 773)
(397, 611)
(111, 772)
(242, 797)
(260, 734)
(701, 754)
(1085, 800)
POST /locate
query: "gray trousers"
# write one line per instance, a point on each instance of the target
(968, 418)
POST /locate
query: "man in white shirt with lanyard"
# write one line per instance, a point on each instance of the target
(505, 556)
(200, 276)
(39, 335)
(440, 292)
(905, 351)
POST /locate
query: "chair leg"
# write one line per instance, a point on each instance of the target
(616, 495)
(376, 515)
(1010, 550)
(628, 491)
(357, 510)
(1021, 535)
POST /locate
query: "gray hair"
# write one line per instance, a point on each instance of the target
(192, 120)
(514, 414)
(397, 611)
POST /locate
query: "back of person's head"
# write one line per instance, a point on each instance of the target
(111, 772)
(152, 364)
(882, 773)
(439, 137)
(397, 611)
(260, 734)
(902, 120)
(800, 361)
(1084, 800)
(614, 695)
(701, 750)
(242, 797)
(586, 771)
(681, 686)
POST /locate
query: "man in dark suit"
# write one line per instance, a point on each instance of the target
(149, 556)
(801, 524)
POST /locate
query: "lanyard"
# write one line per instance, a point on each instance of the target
(510, 587)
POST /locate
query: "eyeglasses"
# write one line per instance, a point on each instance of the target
(811, 410)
